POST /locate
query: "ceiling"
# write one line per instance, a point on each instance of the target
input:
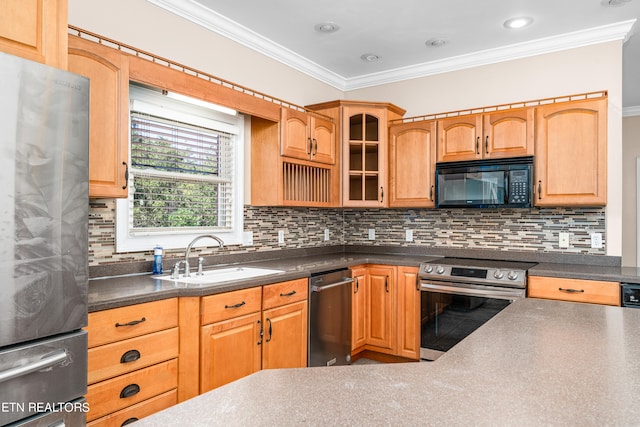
(395, 33)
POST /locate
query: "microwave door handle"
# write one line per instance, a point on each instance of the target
(506, 188)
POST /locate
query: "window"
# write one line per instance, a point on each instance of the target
(185, 174)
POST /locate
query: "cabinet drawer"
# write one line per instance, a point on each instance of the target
(230, 304)
(127, 322)
(110, 360)
(120, 392)
(577, 290)
(137, 411)
(284, 293)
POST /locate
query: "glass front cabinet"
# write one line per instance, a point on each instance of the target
(364, 149)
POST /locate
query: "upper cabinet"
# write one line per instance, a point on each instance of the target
(293, 161)
(508, 133)
(363, 135)
(412, 161)
(307, 137)
(571, 153)
(107, 70)
(36, 30)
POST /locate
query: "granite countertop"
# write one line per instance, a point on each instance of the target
(112, 292)
(538, 362)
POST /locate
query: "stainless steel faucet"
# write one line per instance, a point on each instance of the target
(186, 255)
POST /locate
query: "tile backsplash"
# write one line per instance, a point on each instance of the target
(492, 229)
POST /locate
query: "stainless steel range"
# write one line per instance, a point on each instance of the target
(458, 295)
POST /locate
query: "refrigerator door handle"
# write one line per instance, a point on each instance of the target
(45, 362)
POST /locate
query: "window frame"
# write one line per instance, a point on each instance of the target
(125, 241)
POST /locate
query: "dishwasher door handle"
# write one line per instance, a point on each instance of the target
(331, 285)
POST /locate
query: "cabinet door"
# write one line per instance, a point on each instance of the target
(365, 155)
(285, 336)
(380, 305)
(108, 121)
(459, 138)
(358, 308)
(571, 154)
(508, 134)
(229, 350)
(408, 313)
(36, 30)
(294, 138)
(412, 161)
(323, 137)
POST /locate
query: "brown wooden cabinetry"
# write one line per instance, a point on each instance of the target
(412, 161)
(571, 153)
(251, 329)
(359, 307)
(508, 133)
(363, 137)
(408, 313)
(132, 361)
(35, 30)
(381, 307)
(307, 137)
(107, 70)
(293, 161)
(577, 290)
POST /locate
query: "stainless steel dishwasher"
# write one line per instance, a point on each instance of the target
(330, 318)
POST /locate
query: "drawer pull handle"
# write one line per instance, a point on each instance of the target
(571, 291)
(290, 294)
(130, 390)
(240, 304)
(130, 356)
(129, 421)
(270, 330)
(132, 323)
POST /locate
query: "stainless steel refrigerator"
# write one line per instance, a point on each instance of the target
(44, 134)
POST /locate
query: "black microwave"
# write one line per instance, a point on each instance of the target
(501, 183)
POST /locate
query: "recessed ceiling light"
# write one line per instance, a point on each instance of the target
(436, 42)
(370, 57)
(519, 22)
(326, 27)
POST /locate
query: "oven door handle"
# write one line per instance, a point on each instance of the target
(457, 290)
(45, 361)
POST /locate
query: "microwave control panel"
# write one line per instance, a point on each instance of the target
(518, 186)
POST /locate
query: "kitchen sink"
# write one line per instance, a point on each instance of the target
(222, 275)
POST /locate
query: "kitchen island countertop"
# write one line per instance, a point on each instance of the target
(538, 362)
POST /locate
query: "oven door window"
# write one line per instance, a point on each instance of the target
(472, 188)
(446, 319)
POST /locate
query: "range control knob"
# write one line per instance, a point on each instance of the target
(429, 268)
(440, 269)
(513, 275)
(498, 274)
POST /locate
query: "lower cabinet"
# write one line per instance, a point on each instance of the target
(576, 290)
(251, 329)
(385, 310)
(132, 362)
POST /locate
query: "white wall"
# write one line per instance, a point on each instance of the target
(144, 26)
(599, 67)
(631, 151)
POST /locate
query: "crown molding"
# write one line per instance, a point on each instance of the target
(211, 20)
(631, 111)
(200, 15)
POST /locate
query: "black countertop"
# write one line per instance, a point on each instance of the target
(116, 291)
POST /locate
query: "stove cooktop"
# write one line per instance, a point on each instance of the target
(478, 271)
